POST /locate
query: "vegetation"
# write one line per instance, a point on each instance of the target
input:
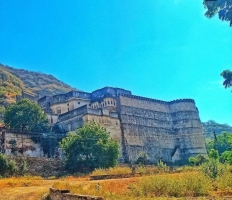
(25, 115)
(221, 7)
(91, 147)
(13, 81)
(210, 127)
(7, 167)
(198, 160)
(37, 82)
(221, 143)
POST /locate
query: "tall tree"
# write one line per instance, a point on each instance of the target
(91, 147)
(222, 143)
(25, 115)
(227, 75)
(221, 7)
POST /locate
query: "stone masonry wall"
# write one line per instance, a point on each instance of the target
(170, 131)
(44, 167)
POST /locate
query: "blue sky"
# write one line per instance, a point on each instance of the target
(159, 49)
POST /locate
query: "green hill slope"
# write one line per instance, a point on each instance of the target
(211, 126)
(39, 83)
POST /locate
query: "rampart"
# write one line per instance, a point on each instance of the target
(170, 131)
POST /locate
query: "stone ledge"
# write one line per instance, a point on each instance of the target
(57, 194)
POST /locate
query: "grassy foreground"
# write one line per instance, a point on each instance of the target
(164, 185)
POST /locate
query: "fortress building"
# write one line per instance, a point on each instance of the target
(170, 131)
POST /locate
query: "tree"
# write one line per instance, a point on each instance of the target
(227, 75)
(7, 166)
(91, 147)
(198, 160)
(221, 7)
(222, 143)
(226, 157)
(25, 115)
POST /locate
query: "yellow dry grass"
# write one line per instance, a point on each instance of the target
(33, 188)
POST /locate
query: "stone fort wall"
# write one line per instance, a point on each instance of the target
(170, 131)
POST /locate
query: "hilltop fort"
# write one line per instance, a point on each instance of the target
(170, 131)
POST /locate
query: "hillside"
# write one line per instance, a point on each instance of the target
(211, 126)
(36, 82)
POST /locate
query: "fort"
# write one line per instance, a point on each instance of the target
(167, 130)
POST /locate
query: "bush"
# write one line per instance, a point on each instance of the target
(7, 166)
(4, 165)
(112, 171)
(213, 169)
(194, 184)
(198, 160)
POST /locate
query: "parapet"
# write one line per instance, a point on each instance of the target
(158, 101)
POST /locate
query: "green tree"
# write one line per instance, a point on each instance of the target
(198, 160)
(25, 116)
(227, 75)
(213, 154)
(226, 157)
(213, 168)
(3, 164)
(222, 143)
(221, 7)
(91, 147)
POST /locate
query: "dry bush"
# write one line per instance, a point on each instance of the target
(112, 171)
(194, 184)
(21, 181)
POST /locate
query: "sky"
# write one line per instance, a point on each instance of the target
(159, 49)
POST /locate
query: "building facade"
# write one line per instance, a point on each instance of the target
(170, 131)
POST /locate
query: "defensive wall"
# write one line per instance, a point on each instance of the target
(170, 131)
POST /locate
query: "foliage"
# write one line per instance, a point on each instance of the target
(210, 127)
(143, 158)
(112, 171)
(7, 166)
(91, 147)
(23, 168)
(227, 75)
(3, 165)
(25, 116)
(213, 168)
(213, 154)
(223, 143)
(39, 83)
(161, 165)
(198, 160)
(226, 157)
(221, 7)
(183, 185)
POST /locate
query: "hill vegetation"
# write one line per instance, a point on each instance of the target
(13, 81)
(210, 126)
(39, 83)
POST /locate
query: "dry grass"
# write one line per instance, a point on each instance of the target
(160, 186)
(112, 171)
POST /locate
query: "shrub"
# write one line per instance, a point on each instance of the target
(7, 166)
(213, 168)
(194, 184)
(112, 171)
(4, 165)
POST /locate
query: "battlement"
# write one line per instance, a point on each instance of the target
(158, 101)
